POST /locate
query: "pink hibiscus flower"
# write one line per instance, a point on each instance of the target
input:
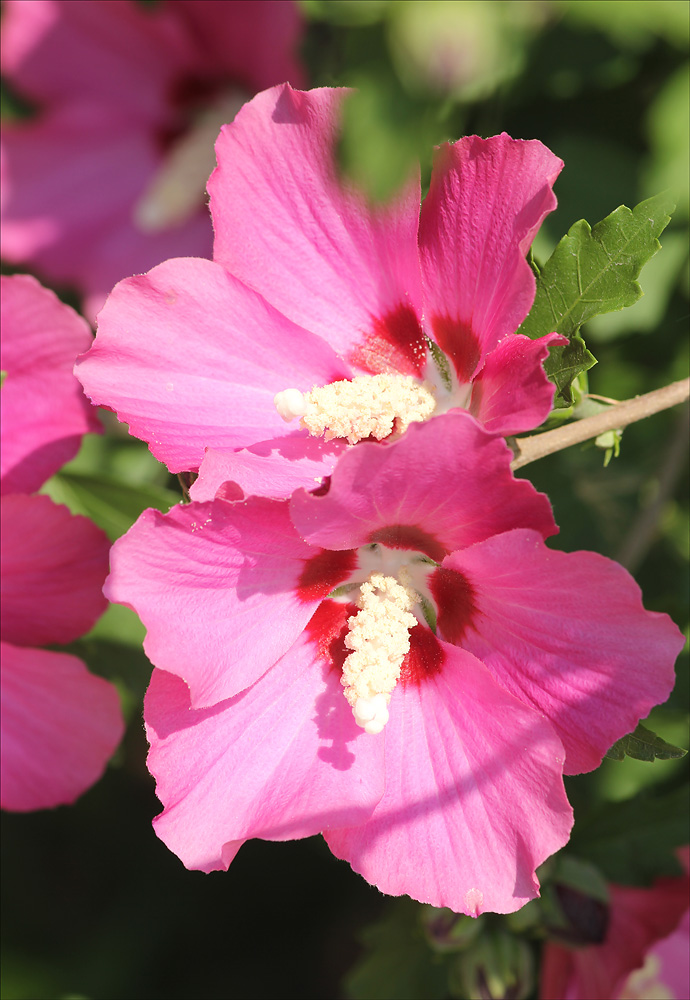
(359, 319)
(399, 662)
(60, 724)
(110, 178)
(645, 956)
(44, 411)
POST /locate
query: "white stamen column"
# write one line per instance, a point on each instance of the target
(366, 406)
(379, 638)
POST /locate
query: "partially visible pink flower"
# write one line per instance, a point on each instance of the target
(427, 557)
(109, 178)
(645, 956)
(311, 285)
(60, 725)
(44, 411)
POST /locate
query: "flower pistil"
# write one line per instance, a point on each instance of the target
(367, 406)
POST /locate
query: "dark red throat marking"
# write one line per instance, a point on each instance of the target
(424, 659)
(409, 536)
(455, 600)
(324, 571)
(328, 628)
(457, 340)
(396, 344)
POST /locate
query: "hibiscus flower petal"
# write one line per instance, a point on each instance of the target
(474, 797)
(445, 484)
(216, 585)
(53, 567)
(273, 469)
(55, 218)
(60, 726)
(280, 761)
(50, 48)
(315, 249)
(61, 222)
(486, 201)
(190, 358)
(251, 43)
(123, 249)
(567, 634)
(44, 411)
(511, 393)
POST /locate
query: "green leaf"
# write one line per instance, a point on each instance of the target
(3, 376)
(398, 963)
(113, 505)
(632, 842)
(593, 271)
(643, 744)
(563, 366)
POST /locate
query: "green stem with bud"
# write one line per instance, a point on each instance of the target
(535, 446)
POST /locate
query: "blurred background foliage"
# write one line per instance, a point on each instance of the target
(94, 905)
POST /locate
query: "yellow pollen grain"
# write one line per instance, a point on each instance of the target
(379, 637)
(369, 405)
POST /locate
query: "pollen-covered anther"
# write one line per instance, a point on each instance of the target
(366, 406)
(379, 638)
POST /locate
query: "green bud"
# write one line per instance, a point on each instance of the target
(610, 443)
(575, 903)
(499, 966)
(448, 931)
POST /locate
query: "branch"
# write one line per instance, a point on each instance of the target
(529, 449)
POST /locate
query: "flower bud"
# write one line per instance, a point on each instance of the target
(447, 931)
(575, 903)
(499, 966)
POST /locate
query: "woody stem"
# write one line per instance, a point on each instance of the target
(529, 449)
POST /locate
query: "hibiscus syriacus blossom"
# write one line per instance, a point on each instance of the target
(60, 725)
(44, 411)
(110, 177)
(645, 952)
(399, 663)
(358, 319)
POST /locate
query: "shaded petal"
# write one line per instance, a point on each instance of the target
(191, 359)
(511, 393)
(280, 761)
(474, 798)
(273, 469)
(253, 44)
(128, 55)
(486, 202)
(99, 166)
(215, 584)
(287, 227)
(53, 567)
(44, 411)
(60, 725)
(567, 634)
(448, 478)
